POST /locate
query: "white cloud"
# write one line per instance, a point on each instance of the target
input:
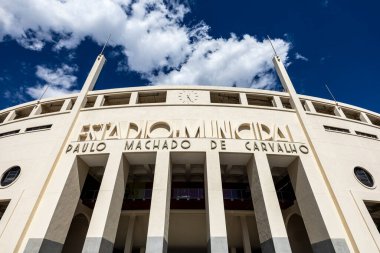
(59, 81)
(151, 35)
(299, 56)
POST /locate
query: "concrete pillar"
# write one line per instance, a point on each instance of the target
(11, 116)
(99, 101)
(245, 233)
(325, 231)
(243, 98)
(36, 110)
(309, 106)
(66, 105)
(364, 118)
(158, 227)
(106, 214)
(58, 207)
(338, 112)
(129, 237)
(277, 102)
(270, 224)
(133, 98)
(217, 231)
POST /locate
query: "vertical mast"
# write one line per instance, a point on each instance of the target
(302, 117)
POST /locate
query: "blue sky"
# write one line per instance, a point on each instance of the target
(200, 42)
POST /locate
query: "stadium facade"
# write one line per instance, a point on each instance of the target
(189, 169)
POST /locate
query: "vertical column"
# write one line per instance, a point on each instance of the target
(158, 227)
(99, 101)
(133, 99)
(11, 115)
(277, 102)
(105, 217)
(243, 99)
(309, 106)
(270, 224)
(244, 230)
(66, 105)
(129, 238)
(36, 110)
(61, 199)
(322, 223)
(338, 112)
(217, 232)
(364, 118)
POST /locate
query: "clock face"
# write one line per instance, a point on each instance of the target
(188, 96)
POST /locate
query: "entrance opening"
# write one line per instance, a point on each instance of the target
(374, 210)
(134, 215)
(239, 209)
(90, 174)
(77, 234)
(187, 222)
(283, 182)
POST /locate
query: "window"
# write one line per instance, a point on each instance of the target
(3, 117)
(225, 97)
(372, 136)
(51, 107)
(323, 108)
(9, 133)
(375, 120)
(151, 97)
(336, 129)
(350, 114)
(117, 99)
(286, 103)
(90, 102)
(24, 112)
(3, 207)
(374, 211)
(10, 176)
(259, 100)
(36, 128)
(364, 177)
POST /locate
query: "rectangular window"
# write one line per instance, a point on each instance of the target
(366, 135)
(90, 102)
(3, 207)
(225, 97)
(3, 117)
(336, 129)
(151, 97)
(51, 107)
(286, 103)
(375, 120)
(9, 133)
(323, 108)
(44, 127)
(260, 100)
(24, 112)
(350, 114)
(374, 211)
(117, 99)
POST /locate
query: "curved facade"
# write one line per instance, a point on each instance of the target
(189, 169)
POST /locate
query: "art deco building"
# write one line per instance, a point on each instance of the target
(189, 169)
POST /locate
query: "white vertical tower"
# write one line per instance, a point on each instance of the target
(36, 227)
(334, 233)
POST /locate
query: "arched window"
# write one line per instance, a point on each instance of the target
(364, 176)
(10, 175)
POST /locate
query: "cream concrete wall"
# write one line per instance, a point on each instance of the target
(339, 153)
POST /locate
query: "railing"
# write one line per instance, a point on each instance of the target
(177, 194)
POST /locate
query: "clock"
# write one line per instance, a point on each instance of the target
(188, 96)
